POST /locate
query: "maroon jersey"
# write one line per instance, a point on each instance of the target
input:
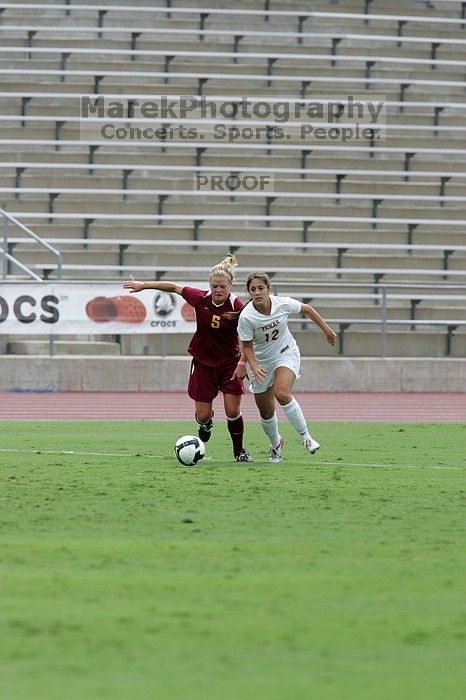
(215, 341)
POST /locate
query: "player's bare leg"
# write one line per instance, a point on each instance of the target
(235, 424)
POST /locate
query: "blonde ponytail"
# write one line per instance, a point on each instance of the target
(225, 268)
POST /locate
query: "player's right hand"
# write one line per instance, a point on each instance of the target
(133, 286)
(259, 373)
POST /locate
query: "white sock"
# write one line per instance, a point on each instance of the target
(296, 417)
(270, 426)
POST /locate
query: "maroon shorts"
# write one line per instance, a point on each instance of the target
(205, 382)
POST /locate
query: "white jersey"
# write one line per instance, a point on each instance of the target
(269, 332)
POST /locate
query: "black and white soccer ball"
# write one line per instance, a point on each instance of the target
(189, 450)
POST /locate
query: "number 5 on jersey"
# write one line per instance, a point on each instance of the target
(215, 323)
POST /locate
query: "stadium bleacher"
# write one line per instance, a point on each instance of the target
(381, 211)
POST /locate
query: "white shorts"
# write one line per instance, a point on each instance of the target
(289, 357)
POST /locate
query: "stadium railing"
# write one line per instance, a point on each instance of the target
(189, 170)
(196, 219)
(124, 171)
(200, 150)
(60, 121)
(370, 61)
(267, 201)
(339, 247)
(122, 246)
(203, 13)
(371, 148)
(49, 270)
(440, 107)
(236, 35)
(268, 197)
(302, 223)
(200, 79)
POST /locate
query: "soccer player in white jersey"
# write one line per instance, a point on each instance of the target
(274, 358)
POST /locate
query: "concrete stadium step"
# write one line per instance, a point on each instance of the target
(419, 343)
(97, 255)
(111, 205)
(413, 187)
(451, 211)
(72, 41)
(231, 158)
(357, 343)
(53, 230)
(23, 206)
(355, 309)
(62, 347)
(417, 260)
(70, 178)
(436, 311)
(198, 207)
(287, 258)
(315, 234)
(439, 236)
(253, 233)
(42, 154)
(457, 262)
(104, 254)
(113, 231)
(209, 258)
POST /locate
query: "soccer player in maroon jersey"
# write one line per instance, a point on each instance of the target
(215, 349)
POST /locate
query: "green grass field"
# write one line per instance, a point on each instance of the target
(127, 576)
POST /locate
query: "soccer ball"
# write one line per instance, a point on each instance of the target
(189, 450)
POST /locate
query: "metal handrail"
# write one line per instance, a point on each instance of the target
(265, 13)
(7, 257)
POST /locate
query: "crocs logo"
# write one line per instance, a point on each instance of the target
(164, 303)
(22, 309)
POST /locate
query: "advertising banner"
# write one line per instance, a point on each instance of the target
(60, 308)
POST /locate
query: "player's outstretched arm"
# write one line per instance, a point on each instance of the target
(311, 313)
(135, 286)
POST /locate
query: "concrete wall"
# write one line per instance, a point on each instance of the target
(138, 373)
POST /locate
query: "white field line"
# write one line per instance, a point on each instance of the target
(70, 452)
(389, 466)
(119, 454)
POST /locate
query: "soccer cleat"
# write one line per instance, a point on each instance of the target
(275, 454)
(205, 429)
(244, 456)
(311, 445)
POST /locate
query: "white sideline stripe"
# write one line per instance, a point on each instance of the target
(71, 452)
(388, 466)
(119, 454)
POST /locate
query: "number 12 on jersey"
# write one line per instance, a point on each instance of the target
(272, 336)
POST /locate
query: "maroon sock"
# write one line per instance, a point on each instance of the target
(236, 430)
